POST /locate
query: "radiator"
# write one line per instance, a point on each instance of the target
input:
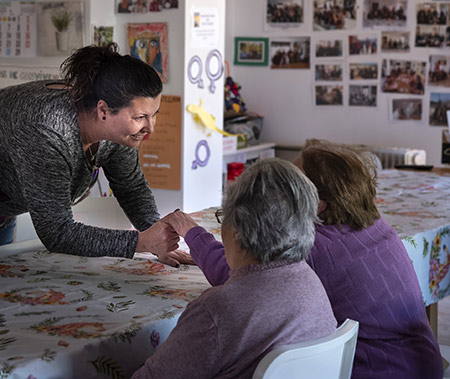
(388, 156)
(391, 156)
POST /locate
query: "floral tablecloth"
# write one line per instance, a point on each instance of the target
(64, 316)
(417, 205)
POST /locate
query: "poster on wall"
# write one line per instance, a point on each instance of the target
(149, 43)
(18, 29)
(60, 26)
(205, 27)
(283, 14)
(290, 53)
(439, 70)
(403, 76)
(160, 155)
(334, 15)
(385, 14)
(406, 109)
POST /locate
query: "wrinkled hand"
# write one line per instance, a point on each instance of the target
(181, 222)
(160, 238)
(175, 258)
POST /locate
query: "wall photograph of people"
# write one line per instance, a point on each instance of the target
(439, 104)
(362, 45)
(284, 13)
(363, 71)
(362, 95)
(433, 25)
(329, 95)
(439, 70)
(290, 53)
(329, 72)
(334, 14)
(402, 76)
(406, 109)
(251, 51)
(395, 42)
(385, 14)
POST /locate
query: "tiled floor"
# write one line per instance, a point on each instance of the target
(444, 330)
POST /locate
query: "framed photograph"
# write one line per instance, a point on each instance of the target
(402, 76)
(251, 51)
(289, 53)
(148, 42)
(439, 70)
(407, 109)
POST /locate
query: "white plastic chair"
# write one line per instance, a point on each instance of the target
(329, 357)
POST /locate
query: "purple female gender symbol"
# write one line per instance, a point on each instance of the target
(197, 79)
(198, 161)
(218, 74)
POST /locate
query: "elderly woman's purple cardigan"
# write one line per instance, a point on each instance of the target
(369, 277)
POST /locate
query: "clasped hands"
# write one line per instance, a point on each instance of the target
(162, 239)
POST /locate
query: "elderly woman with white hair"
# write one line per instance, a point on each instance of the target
(272, 297)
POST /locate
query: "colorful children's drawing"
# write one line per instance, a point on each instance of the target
(149, 43)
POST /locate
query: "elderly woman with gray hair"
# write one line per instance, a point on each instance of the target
(267, 232)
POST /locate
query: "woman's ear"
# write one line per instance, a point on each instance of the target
(102, 110)
(322, 206)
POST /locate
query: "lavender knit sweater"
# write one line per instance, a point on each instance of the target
(368, 277)
(229, 328)
(43, 166)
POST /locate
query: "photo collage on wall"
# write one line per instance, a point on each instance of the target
(353, 68)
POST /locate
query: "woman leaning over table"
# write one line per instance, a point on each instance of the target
(55, 135)
(366, 270)
(272, 296)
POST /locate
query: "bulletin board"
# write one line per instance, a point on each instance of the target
(160, 155)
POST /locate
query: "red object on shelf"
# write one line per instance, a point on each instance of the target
(234, 169)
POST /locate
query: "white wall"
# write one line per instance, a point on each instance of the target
(285, 97)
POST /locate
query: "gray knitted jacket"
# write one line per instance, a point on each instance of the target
(43, 167)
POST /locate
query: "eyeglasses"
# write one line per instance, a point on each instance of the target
(219, 215)
(86, 192)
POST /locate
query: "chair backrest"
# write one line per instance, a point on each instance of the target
(329, 357)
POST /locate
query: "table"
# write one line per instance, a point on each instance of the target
(417, 205)
(66, 316)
